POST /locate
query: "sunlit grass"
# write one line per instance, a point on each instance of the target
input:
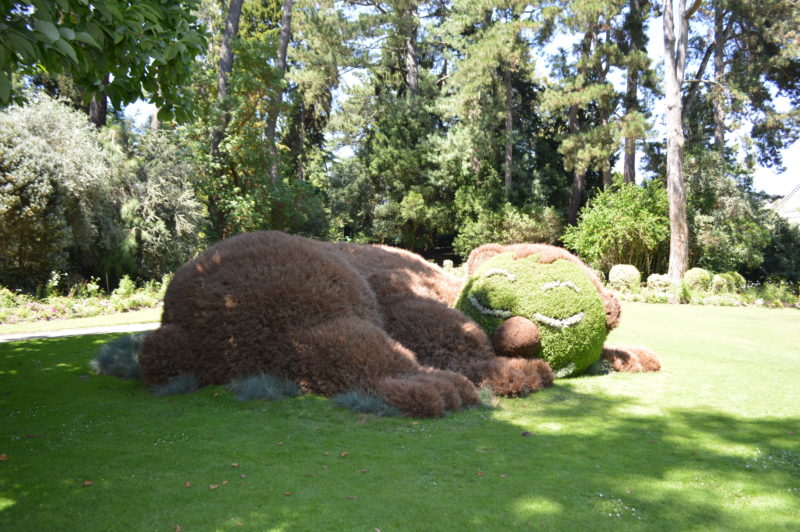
(120, 318)
(711, 442)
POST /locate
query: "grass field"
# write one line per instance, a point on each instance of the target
(712, 442)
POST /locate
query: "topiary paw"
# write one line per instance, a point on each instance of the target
(631, 359)
(429, 393)
(517, 377)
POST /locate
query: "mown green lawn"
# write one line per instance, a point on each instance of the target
(710, 442)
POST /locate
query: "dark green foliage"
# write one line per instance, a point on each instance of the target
(781, 254)
(509, 225)
(161, 216)
(120, 357)
(184, 383)
(359, 401)
(569, 350)
(148, 47)
(685, 294)
(267, 387)
(727, 231)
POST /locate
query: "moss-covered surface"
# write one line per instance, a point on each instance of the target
(532, 291)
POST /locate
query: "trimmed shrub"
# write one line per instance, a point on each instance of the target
(624, 277)
(658, 281)
(120, 357)
(737, 281)
(366, 403)
(698, 279)
(7, 298)
(721, 283)
(263, 386)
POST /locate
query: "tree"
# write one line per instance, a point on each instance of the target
(624, 224)
(633, 42)
(754, 50)
(117, 49)
(160, 214)
(674, 66)
(585, 94)
(226, 58)
(57, 209)
(272, 120)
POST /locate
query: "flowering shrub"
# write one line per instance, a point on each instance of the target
(773, 295)
(720, 283)
(83, 300)
(658, 282)
(624, 277)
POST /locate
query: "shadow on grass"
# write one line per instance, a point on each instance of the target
(559, 459)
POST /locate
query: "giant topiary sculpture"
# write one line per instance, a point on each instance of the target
(337, 317)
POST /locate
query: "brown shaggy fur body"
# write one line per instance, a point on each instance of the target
(333, 317)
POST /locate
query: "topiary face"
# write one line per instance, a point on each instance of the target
(558, 297)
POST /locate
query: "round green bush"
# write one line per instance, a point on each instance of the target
(624, 277)
(721, 283)
(658, 281)
(545, 294)
(697, 279)
(736, 280)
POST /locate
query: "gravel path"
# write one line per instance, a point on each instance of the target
(78, 332)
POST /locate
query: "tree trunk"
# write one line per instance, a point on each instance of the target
(674, 64)
(719, 72)
(411, 53)
(155, 123)
(606, 170)
(631, 106)
(98, 108)
(275, 107)
(216, 214)
(225, 67)
(509, 155)
(636, 33)
(579, 175)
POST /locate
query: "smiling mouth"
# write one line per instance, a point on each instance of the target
(541, 318)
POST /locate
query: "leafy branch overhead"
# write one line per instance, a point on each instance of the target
(144, 47)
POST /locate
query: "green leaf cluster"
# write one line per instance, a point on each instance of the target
(626, 224)
(147, 47)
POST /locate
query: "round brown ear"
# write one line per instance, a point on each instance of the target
(481, 254)
(612, 308)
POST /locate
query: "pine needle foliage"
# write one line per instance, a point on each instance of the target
(263, 386)
(120, 357)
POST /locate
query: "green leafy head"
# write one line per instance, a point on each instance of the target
(558, 296)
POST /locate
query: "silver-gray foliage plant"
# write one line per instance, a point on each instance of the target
(54, 183)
